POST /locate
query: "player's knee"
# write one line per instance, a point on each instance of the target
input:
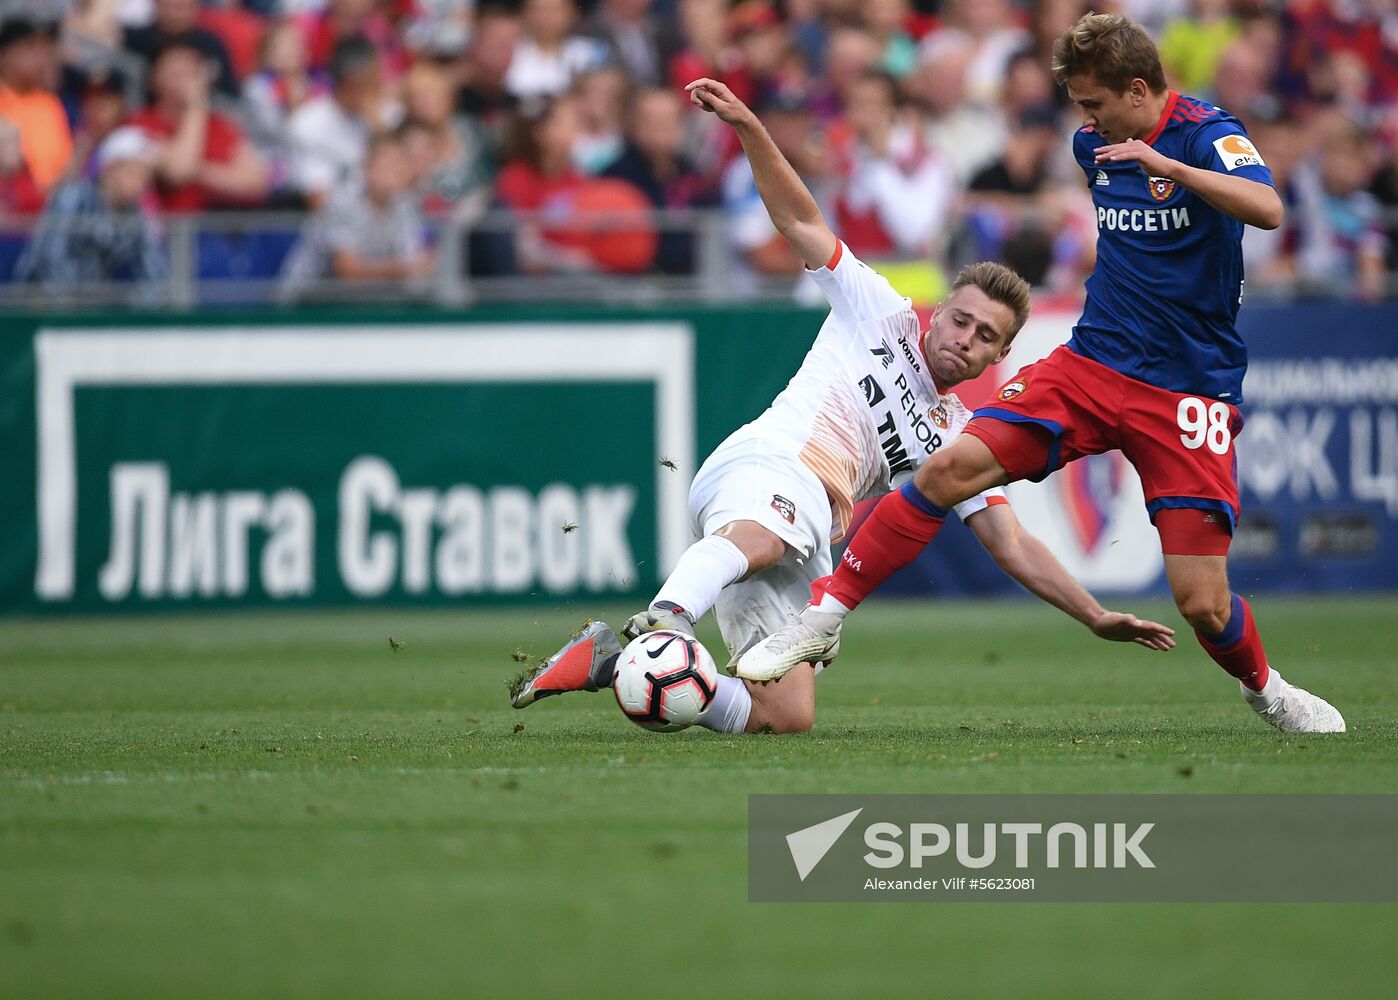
(761, 547)
(1205, 611)
(950, 476)
(798, 718)
(936, 479)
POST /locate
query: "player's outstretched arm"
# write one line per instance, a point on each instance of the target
(1029, 561)
(788, 202)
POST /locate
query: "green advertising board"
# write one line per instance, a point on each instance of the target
(322, 459)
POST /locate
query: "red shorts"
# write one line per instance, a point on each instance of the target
(1181, 445)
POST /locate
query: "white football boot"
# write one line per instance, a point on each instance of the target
(814, 637)
(1292, 709)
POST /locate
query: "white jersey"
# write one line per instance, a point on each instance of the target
(863, 411)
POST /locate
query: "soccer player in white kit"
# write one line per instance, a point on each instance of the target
(867, 407)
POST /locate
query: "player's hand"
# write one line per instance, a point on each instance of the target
(1153, 162)
(710, 95)
(1118, 626)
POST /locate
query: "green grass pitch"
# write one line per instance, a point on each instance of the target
(279, 805)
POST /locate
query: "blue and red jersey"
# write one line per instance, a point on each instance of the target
(1164, 295)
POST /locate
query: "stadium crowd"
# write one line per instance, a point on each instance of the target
(930, 129)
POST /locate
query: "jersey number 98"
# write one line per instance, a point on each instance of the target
(1204, 423)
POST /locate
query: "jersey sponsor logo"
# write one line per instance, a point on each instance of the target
(922, 430)
(939, 416)
(908, 353)
(1102, 179)
(1010, 390)
(1161, 188)
(892, 443)
(883, 352)
(1238, 151)
(784, 507)
(873, 392)
(1143, 220)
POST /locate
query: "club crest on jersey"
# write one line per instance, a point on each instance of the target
(1011, 389)
(784, 507)
(1160, 188)
(939, 416)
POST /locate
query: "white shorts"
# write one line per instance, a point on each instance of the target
(751, 477)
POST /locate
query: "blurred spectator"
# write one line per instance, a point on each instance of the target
(101, 108)
(538, 179)
(550, 54)
(886, 21)
(339, 21)
(1153, 15)
(986, 29)
(1319, 34)
(101, 230)
(481, 71)
(1385, 189)
(330, 134)
(28, 73)
(1240, 83)
(630, 38)
(281, 84)
(1340, 244)
(897, 194)
(1028, 85)
(19, 193)
(852, 53)
(960, 132)
(93, 23)
(1191, 46)
(438, 28)
(600, 96)
(205, 161)
(652, 161)
(762, 41)
(1015, 214)
(449, 154)
(707, 49)
(1267, 253)
(750, 230)
(369, 233)
(176, 21)
(239, 28)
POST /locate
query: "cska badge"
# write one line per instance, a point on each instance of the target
(1161, 188)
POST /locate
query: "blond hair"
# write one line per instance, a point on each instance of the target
(1110, 49)
(1000, 284)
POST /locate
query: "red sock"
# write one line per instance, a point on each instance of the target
(1238, 648)
(895, 532)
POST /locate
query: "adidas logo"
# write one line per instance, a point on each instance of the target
(1102, 179)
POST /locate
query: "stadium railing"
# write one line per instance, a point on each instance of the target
(237, 259)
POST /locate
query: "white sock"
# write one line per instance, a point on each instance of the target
(706, 567)
(830, 606)
(730, 708)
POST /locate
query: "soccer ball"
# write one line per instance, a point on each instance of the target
(664, 679)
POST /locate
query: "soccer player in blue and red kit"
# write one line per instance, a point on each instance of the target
(1154, 368)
